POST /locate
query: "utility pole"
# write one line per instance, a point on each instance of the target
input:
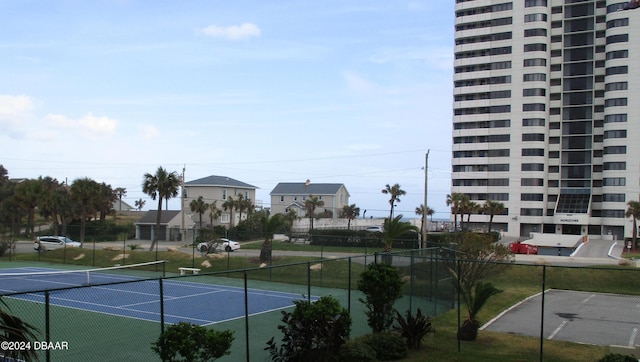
(425, 225)
(182, 230)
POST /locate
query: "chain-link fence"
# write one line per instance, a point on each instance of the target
(120, 321)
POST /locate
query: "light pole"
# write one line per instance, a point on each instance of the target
(425, 226)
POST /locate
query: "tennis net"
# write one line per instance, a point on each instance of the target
(19, 281)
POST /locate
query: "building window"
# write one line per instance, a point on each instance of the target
(535, 47)
(616, 86)
(618, 166)
(532, 167)
(615, 102)
(614, 181)
(617, 70)
(532, 92)
(531, 122)
(281, 198)
(613, 197)
(532, 152)
(531, 197)
(611, 118)
(533, 77)
(224, 194)
(530, 212)
(532, 137)
(532, 107)
(619, 133)
(615, 150)
(529, 18)
(531, 182)
(619, 38)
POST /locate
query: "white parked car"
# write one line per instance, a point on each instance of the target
(218, 245)
(44, 243)
(374, 229)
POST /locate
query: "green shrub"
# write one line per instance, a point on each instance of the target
(312, 332)
(381, 285)
(5, 246)
(413, 329)
(133, 246)
(356, 351)
(617, 357)
(388, 346)
(189, 342)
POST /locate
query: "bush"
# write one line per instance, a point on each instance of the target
(617, 357)
(356, 351)
(387, 346)
(312, 332)
(381, 285)
(5, 246)
(413, 329)
(189, 342)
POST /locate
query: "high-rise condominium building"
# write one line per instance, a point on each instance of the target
(546, 114)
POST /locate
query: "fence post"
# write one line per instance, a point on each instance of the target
(544, 278)
(47, 324)
(458, 290)
(246, 315)
(349, 288)
(161, 306)
(309, 281)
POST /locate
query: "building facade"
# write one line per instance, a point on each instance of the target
(546, 108)
(292, 196)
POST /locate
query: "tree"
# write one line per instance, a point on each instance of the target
(83, 192)
(139, 204)
(190, 342)
(423, 212)
(313, 331)
(243, 204)
(28, 194)
(470, 207)
(214, 212)
(120, 193)
(492, 208)
(310, 204)
(15, 330)
(229, 204)
(200, 207)
(350, 212)
(455, 200)
(162, 185)
(381, 285)
(634, 211)
(269, 226)
(395, 192)
(476, 258)
(475, 298)
(393, 230)
(104, 200)
(290, 217)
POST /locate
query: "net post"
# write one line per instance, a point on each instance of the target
(88, 280)
(246, 315)
(164, 268)
(47, 324)
(309, 281)
(161, 305)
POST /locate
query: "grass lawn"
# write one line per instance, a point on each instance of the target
(517, 283)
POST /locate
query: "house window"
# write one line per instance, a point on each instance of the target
(304, 198)
(224, 218)
(224, 194)
(295, 198)
(281, 198)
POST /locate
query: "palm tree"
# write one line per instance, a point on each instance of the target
(15, 330)
(394, 229)
(140, 204)
(634, 212)
(120, 192)
(350, 212)
(471, 207)
(423, 212)
(492, 208)
(395, 191)
(214, 212)
(28, 195)
(104, 200)
(229, 204)
(455, 200)
(269, 226)
(83, 192)
(290, 217)
(199, 206)
(162, 185)
(310, 204)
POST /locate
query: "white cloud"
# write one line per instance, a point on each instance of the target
(233, 32)
(149, 132)
(11, 106)
(358, 84)
(88, 125)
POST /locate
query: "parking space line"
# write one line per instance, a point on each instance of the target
(632, 339)
(553, 334)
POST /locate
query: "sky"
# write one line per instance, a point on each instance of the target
(335, 91)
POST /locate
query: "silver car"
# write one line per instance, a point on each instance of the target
(44, 243)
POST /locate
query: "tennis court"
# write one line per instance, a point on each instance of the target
(183, 301)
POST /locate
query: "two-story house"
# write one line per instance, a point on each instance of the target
(292, 195)
(220, 189)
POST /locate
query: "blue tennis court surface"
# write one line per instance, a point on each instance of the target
(184, 301)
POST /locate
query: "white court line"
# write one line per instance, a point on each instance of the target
(587, 300)
(632, 339)
(553, 334)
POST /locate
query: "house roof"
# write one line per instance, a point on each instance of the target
(301, 188)
(150, 217)
(219, 181)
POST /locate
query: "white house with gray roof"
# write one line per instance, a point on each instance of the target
(218, 189)
(292, 195)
